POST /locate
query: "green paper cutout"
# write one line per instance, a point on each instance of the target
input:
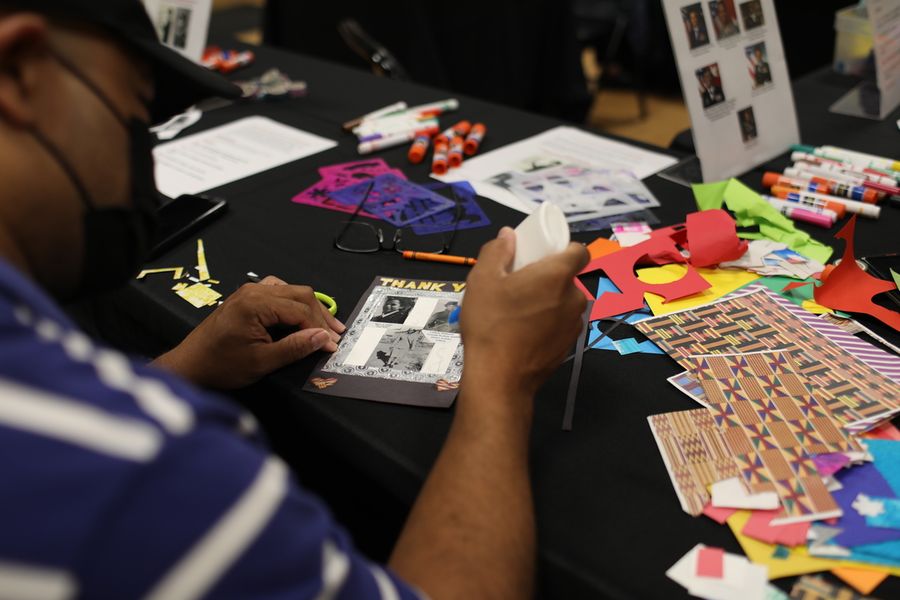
(896, 277)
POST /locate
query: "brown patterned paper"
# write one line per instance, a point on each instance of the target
(772, 424)
(851, 392)
(695, 455)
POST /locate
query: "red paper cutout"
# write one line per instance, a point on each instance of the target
(712, 238)
(759, 527)
(851, 289)
(619, 267)
(710, 562)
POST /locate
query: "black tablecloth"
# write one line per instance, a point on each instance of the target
(609, 523)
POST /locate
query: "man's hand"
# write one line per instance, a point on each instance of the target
(517, 327)
(232, 348)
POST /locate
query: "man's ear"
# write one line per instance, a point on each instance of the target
(23, 42)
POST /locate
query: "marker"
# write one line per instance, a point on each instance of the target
(474, 139)
(455, 155)
(866, 210)
(857, 158)
(435, 108)
(390, 141)
(418, 149)
(439, 163)
(786, 193)
(444, 258)
(393, 125)
(460, 129)
(807, 206)
(793, 211)
(821, 171)
(842, 167)
(823, 186)
(390, 108)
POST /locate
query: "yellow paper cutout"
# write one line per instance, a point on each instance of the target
(798, 561)
(202, 268)
(179, 286)
(815, 308)
(177, 272)
(199, 295)
(863, 580)
(722, 281)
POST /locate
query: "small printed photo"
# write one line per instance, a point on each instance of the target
(173, 24)
(695, 25)
(394, 309)
(752, 14)
(710, 83)
(401, 350)
(758, 64)
(748, 124)
(724, 18)
(439, 319)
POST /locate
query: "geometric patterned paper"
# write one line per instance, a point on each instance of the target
(695, 455)
(851, 391)
(771, 424)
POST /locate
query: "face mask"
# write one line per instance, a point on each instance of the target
(116, 239)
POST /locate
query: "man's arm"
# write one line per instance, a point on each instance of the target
(471, 531)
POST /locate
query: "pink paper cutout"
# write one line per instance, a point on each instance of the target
(712, 238)
(337, 177)
(619, 268)
(850, 289)
(759, 527)
(719, 515)
(711, 562)
(829, 464)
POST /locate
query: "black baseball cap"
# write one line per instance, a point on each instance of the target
(179, 81)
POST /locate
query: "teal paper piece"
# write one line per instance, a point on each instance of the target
(887, 460)
(890, 518)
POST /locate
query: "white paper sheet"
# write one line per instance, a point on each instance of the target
(212, 158)
(562, 144)
(740, 100)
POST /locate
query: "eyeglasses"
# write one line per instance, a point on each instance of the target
(364, 238)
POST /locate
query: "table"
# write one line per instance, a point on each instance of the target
(609, 523)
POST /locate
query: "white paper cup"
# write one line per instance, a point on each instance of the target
(542, 233)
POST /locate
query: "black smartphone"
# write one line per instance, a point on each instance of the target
(183, 216)
(880, 266)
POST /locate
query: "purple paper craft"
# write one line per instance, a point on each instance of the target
(861, 479)
(337, 177)
(829, 464)
(394, 200)
(470, 216)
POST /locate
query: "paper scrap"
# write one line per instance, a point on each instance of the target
(887, 515)
(732, 493)
(740, 578)
(721, 282)
(630, 234)
(202, 268)
(719, 515)
(863, 581)
(818, 588)
(867, 481)
(885, 431)
(177, 272)
(602, 247)
(851, 289)
(887, 461)
(760, 527)
(712, 238)
(179, 286)
(750, 209)
(896, 277)
(710, 562)
(199, 295)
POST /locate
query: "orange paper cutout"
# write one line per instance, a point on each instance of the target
(851, 289)
(602, 247)
(863, 580)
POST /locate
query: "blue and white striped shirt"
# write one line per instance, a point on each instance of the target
(120, 481)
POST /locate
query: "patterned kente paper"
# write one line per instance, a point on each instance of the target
(851, 391)
(771, 424)
(695, 454)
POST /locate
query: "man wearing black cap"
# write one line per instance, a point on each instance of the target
(121, 480)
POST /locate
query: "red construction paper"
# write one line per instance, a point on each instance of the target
(619, 267)
(851, 289)
(710, 562)
(885, 431)
(712, 238)
(759, 527)
(719, 515)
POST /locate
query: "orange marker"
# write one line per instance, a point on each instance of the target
(444, 258)
(473, 141)
(461, 129)
(455, 156)
(419, 148)
(439, 162)
(823, 186)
